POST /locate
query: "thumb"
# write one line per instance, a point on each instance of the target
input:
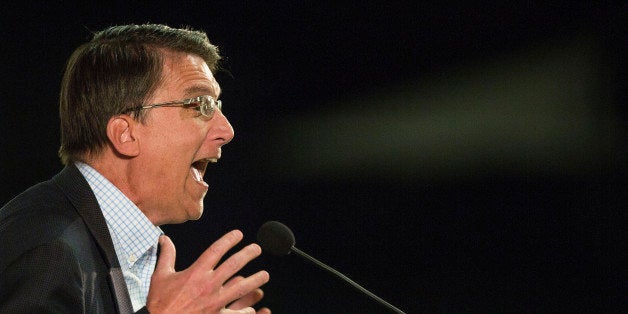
(167, 255)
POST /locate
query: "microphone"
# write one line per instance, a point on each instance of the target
(277, 239)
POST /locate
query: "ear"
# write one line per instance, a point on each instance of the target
(120, 131)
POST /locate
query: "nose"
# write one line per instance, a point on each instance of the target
(222, 129)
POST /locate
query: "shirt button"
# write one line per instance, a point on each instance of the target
(132, 258)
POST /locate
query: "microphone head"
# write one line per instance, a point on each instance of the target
(275, 238)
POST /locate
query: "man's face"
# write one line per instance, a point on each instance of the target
(176, 144)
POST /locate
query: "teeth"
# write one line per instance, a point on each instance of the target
(213, 160)
(197, 174)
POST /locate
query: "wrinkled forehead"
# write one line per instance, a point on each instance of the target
(187, 75)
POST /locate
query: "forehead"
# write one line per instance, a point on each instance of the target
(186, 75)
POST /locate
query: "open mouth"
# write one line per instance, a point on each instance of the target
(198, 168)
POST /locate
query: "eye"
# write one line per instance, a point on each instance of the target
(204, 104)
(194, 105)
(206, 109)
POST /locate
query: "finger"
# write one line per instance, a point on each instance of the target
(167, 256)
(233, 281)
(248, 300)
(210, 258)
(248, 310)
(245, 286)
(264, 310)
(236, 261)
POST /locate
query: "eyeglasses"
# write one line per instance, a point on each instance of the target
(205, 104)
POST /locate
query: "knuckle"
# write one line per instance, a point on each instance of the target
(233, 263)
(215, 250)
(241, 292)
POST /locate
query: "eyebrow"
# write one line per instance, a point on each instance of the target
(200, 89)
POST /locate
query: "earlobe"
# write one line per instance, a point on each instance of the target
(120, 131)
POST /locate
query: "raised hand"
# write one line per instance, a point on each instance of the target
(206, 287)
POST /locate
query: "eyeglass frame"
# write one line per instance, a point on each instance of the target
(198, 103)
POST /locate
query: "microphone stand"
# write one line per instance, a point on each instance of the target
(345, 278)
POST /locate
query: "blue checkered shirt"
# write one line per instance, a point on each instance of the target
(135, 238)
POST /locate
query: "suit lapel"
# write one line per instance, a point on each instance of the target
(77, 190)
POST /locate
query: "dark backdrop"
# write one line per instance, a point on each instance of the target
(449, 157)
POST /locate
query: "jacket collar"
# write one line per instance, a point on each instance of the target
(77, 190)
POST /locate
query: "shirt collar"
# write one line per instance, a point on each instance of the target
(132, 233)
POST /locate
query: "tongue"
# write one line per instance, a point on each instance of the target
(196, 174)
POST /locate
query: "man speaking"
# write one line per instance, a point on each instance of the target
(140, 121)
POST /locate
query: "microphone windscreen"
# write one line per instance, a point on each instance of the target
(275, 238)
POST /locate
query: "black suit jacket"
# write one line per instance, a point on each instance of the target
(56, 253)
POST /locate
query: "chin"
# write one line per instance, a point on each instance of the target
(195, 214)
(185, 216)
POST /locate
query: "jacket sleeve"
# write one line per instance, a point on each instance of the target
(45, 279)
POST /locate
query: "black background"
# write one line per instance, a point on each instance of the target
(496, 238)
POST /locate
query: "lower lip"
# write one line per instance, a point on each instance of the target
(198, 177)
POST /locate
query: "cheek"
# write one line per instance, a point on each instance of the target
(176, 146)
(177, 159)
(165, 166)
